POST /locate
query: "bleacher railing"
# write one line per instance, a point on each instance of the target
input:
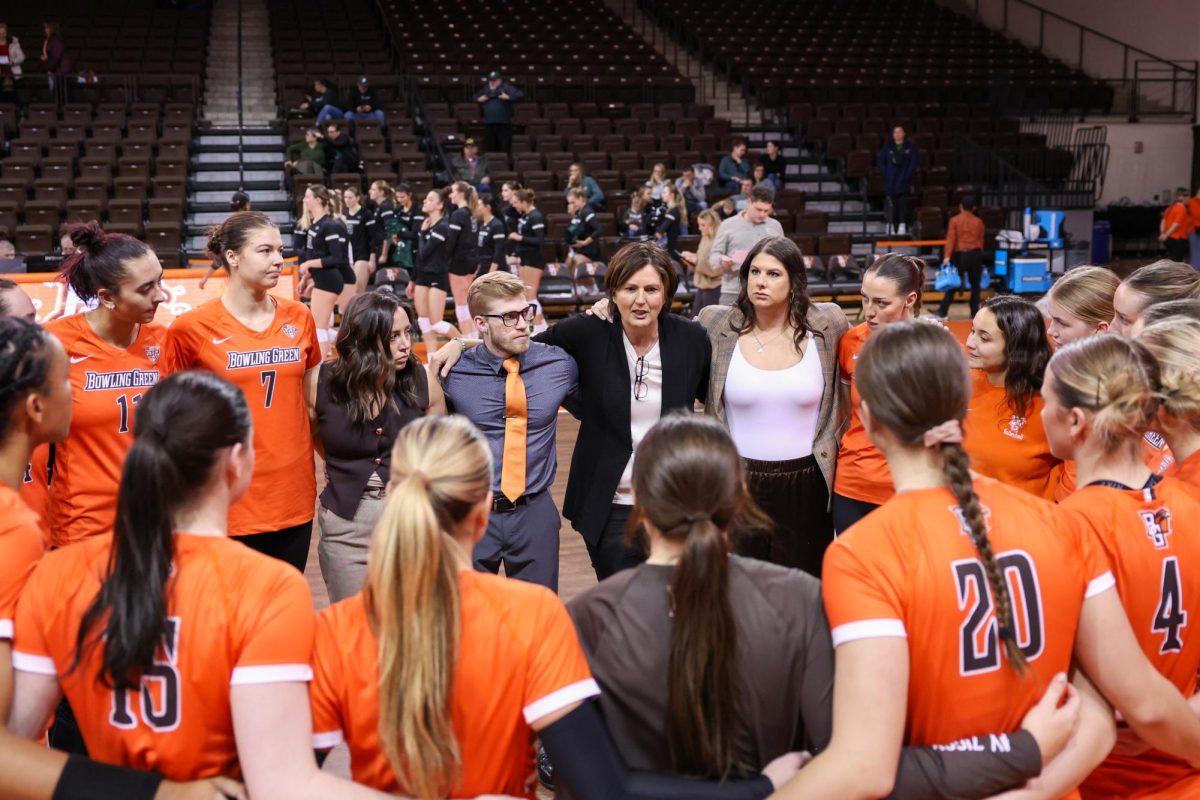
(999, 183)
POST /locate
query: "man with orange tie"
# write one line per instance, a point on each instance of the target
(511, 388)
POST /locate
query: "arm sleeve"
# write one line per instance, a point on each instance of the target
(31, 651)
(275, 631)
(587, 762)
(816, 682)
(454, 230)
(594, 229)
(727, 170)
(719, 248)
(338, 246)
(177, 349)
(328, 727)
(499, 239)
(951, 237)
(414, 231)
(20, 551)
(863, 586)
(558, 674)
(431, 245)
(1009, 761)
(514, 94)
(594, 193)
(537, 233)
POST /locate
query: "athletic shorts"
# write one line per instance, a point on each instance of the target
(433, 280)
(532, 258)
(462, 269)
(328, 280)
(348, 275)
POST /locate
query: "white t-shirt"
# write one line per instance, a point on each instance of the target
(772, 413)
(643, 413)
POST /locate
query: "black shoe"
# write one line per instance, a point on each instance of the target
(545, 770)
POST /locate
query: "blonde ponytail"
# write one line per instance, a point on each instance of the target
(1175, 344)
(441, 469)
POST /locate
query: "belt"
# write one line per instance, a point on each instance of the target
(501, 504)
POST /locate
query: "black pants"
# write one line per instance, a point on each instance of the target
(498, 138)
(795, 496)
(895, 206)
(970, 268)
(1178, 250)
(847, 511)
(610, 554)
(290, 544)
(64, 733)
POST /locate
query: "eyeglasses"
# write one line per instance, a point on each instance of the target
(512, 318)
(640, 388)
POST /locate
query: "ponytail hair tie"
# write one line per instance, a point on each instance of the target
(949, 432)
(698, 517)
(1007, 634)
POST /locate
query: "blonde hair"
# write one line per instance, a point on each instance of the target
(1115, 378)
(711, 217)
(1086, 293)
(493, 286)
(441, 469)
(1175, 344)
(469, 194)
(1164, 280)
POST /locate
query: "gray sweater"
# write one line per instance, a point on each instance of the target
(736, 235)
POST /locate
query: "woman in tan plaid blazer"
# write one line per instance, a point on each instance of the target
(773, 381)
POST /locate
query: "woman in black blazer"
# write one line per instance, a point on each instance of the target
(634, 368)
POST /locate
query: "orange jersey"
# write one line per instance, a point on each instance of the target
(1007, 447)
(35, 487)
(1157, 455)
(269, 366)
(236, 617)
(1147, 535)
(21, 546)
(862, 471)
(1188, 471)
(107, 383)
(910, 570)
(519, 659)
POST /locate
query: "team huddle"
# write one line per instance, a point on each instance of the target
(1006, 611)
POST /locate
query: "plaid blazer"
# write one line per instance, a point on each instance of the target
(827, 322)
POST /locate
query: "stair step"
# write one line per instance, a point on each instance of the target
(262, 196)
(217, 217)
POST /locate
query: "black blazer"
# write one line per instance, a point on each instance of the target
(605, 439)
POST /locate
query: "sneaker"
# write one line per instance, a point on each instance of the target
(545, 770)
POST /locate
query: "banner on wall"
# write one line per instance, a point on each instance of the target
(181, 285)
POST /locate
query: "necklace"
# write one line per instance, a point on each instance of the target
(762, 345)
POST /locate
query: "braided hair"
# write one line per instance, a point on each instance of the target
(25, 358)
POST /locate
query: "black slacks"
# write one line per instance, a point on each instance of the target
(498, 138)
(795, 496)
(970, 268)
(610, 554)
(290, 544)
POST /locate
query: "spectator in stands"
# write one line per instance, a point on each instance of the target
(307, 157)
(577, 178)
(1176, 227)
(11, 58)
(340, 154)
(742, 198)
(737, 236)
(364, 103)
(759, 176)
(774, 165)
(15, 303)
(734, 166)
(582, 236)
(497, 98)
(898, 162)
(240, 201)
(692, 192)
(8, 258)
(652, 210)
(54, 53)
(658, 179)
(964, 247)
(470, 167)
(323, 102)
(706, 278)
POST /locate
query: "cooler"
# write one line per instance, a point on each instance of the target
(1028, 274)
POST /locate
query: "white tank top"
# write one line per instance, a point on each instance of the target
(772, 413)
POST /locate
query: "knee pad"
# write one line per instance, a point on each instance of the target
(463, 313)
(442, 327)
(423, 324)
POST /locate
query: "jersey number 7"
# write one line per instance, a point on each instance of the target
(979, 640)
(160, 713)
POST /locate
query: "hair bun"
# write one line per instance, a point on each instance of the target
(88, 236)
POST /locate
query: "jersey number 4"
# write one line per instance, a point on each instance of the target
(1171, 618)
(159, 693)
(979, 640)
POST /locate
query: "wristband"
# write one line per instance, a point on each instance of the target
(84, 779)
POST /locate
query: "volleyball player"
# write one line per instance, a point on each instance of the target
(1007, 351)
(115, 353)
(179, 649)
(1101, 395)
(1080, 304)
(463, 226)
(326, 260)
(1149, 285)
(959, 600)
(489, 247)
(891, 292)
(267, 347)
(356, 217)
(528, 235)
(431, 283)
(437, 676)
(1175, 344)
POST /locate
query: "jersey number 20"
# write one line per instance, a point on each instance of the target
(979, 641)
(162, 713)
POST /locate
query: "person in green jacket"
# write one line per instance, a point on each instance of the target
(307, 157)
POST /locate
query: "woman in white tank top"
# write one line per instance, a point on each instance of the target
(774, 357)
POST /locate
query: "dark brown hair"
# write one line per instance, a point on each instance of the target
(631, 258)
(234, 233)
(907, 272)
(99, 263)
(1026, 349)
(913, 376)
(25, 359)
(788, 253)
(363, 376)
(690, 485)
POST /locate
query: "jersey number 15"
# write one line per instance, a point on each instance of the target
(160, 713)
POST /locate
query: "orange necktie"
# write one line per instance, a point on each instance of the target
(516, 423)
